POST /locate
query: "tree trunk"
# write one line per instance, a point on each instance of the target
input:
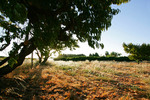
(39, 56)
(45, 59)
(26, 50)
(32, 60)
(138, 62)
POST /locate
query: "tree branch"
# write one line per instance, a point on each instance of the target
(26, 50)
(4, 46)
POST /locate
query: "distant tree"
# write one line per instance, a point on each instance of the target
(39, 23)
(71, 55)
(95, 54)
(90, 54)
(115, 54)
(112, 54)
(107, 54)
(137, 52)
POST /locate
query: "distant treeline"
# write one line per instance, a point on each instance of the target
(82, 57)
(2, 57)
(71, 55)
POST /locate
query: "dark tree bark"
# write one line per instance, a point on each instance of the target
(31, 60)
(39, 56)
(26, 50)
(45, 59)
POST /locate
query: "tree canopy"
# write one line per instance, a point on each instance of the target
(53, 23)
(137, 52)
(94, 54)
(112, 54)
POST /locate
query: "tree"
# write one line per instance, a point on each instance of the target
(95, 54)
(112, 54)
(115, 54)
(137, 52)
(50, 23)
(107, 54)
(44, 54)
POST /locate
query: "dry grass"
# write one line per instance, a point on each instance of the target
(86, 80)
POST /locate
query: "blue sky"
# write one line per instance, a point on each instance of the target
(131, 25)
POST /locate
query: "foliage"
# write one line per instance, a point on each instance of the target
(106, 53)
(92, 58)
(11, 62)
(44, 53)
(137, 52)
(59, 23)
(95, 54)
(112, 54)
(71, 55)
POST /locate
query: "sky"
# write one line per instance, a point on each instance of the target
(131, 25)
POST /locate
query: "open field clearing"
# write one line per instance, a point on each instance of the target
(95, 80)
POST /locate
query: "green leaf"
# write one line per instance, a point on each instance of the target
(11, 62)
(102, 45)
(1, 39)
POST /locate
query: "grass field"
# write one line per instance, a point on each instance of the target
(95, 80)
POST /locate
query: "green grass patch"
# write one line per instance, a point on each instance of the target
(103, 78)
(67, 68)
(71, 73)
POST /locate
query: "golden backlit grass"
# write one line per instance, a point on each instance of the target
(85, 80)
